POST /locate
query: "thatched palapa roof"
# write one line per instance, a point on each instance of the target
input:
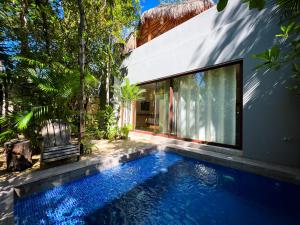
(174, 11)
(162, 18)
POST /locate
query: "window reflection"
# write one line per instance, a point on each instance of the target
(152, 113)
(203, 106)
(206, 105)
(145, 109)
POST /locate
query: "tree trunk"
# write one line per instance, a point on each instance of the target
(108, 73)
(81, 60)
(102, 92)
(1, 103)
(44, 4)
(18, 155)
(6, 102)
(107, 82)
(23, 33)
(108, 76)
(102, 100)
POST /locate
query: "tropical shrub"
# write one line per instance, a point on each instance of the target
(112, 133)
(87, 146)
(125, 131)
(93, 130)
(128, 93)
(51, 93)
(61, 44)
(110, 126)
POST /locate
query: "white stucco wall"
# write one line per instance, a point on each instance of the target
(271, 113)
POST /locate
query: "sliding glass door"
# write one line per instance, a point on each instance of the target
(162, 96)
(145, 109)
(152, 113)
(199, 106)
(205, 105)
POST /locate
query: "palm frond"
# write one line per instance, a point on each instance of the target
(31, 62)
(7, 135)
(285, 9)
(91, 80)
(47, 88)
(130, 92)
(23, 120)
(40, 111)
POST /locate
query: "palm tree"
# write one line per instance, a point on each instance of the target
(53, 95)
(127, 94)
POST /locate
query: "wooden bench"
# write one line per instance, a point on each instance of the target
(56, 142)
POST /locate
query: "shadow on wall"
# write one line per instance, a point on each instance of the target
(270, 110)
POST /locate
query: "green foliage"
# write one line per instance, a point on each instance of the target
(221, 5)
(270, 56)
(110, 126)
(112, 133)
(253, 4)
(125, 131)
(8, 126)
(286, 30)
(296, 77)
(109, 116)
(129, 92)
(256, 4)
(52, 85)
(92, 130)
(23, 120)
(87, 145)
(44, 52)
(7, 135)
(286, 50)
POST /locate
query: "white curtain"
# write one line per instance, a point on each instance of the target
(162, 106)
(206, 105)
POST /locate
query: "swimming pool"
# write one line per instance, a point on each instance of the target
(164, 188)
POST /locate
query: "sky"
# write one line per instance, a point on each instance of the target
(148, 4)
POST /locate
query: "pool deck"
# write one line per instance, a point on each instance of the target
(44, 179)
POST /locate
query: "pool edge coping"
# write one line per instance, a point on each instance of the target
(97, 164)
(69, 172)
(265, 169)
(89, 166)
(274, 171)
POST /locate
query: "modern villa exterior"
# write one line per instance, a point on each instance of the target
(201, 85)
(195, 134)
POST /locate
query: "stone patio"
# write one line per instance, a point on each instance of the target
(100, 148)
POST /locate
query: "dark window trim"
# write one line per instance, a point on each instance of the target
(239, 104)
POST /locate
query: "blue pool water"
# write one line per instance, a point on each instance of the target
(165, 188)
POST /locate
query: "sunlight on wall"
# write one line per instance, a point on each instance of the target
(250, 92)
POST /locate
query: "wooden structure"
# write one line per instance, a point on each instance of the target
(163, 18)
(56, 142)
(18, 155)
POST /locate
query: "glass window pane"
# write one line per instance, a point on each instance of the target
(162, 105)
(205, 105)
(145, 109)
